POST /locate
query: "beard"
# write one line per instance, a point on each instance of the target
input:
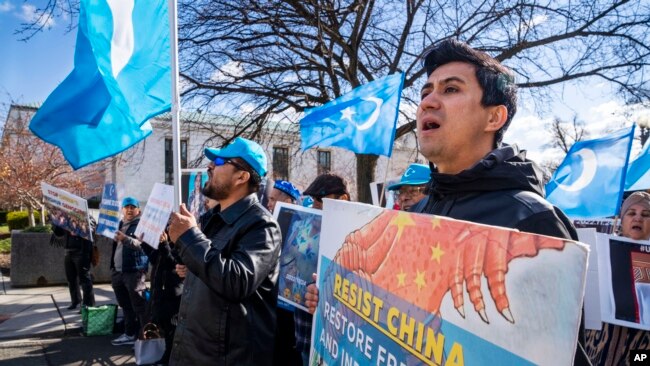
(217, 191)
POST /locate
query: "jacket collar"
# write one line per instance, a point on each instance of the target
(232, 213)
(132, 220)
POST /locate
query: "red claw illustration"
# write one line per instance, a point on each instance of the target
(420, 258)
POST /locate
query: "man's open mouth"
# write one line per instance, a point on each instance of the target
(431, 126)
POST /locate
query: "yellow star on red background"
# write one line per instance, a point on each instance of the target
(437, 252)
(419, 280)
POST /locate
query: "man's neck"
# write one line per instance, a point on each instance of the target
(462, 162)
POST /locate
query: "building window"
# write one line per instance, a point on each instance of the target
(280, 163)
(324, 162)
(169, 160)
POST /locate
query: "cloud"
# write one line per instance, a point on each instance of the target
(228, 72)
(6, 6)
(31, 14)
(529, 133)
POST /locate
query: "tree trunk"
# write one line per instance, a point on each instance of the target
(42, 215)
(30, 211)
(365, 175)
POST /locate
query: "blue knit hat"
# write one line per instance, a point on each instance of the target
(287, 188)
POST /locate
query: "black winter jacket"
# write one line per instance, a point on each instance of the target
(227, 313)
(503, 189)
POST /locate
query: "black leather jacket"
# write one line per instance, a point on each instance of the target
(227, 313)
(503, 189)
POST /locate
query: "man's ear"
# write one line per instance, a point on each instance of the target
(498, 116)
(243, 177)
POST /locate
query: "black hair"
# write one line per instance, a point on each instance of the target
(496, 80)
(255, 179)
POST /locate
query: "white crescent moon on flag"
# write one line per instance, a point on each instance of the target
(122, 42)
(589, 165)
(375, 114)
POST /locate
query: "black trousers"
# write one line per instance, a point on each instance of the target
(77, 272)
(129, 292)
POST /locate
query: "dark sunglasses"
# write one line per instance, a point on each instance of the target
(218, 161)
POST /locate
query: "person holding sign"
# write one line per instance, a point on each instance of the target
(78, 255)
(227, 313)
(129, 264)
(613, 344)
(332, 186)
(466, 105)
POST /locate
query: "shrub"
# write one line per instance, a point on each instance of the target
(5, 246)
(3, 217)
(38, 229)
(17, 220)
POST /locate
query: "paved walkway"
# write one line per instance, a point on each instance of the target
(37, 329)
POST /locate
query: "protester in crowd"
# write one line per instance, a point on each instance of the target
(166, 290)
(412, 186)
(282, 191)
(613, 344)
(466, 105)
(330, 186)
(129, 264)
(284, 352)
(227, 313)
(77, 262)
(635, 216)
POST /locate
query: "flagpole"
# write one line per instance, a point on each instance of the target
(176, 148)
(381, 196)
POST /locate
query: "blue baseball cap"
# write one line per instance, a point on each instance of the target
(250, 151)
(415, 175)
(287, 188)
(130, 201)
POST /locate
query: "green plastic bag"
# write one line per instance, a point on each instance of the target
(98, 320)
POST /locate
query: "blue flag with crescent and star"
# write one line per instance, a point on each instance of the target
(362, 120)
(638, 173)
(589, 182)
(121, 78)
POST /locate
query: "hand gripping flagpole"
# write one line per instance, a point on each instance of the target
(176, 148)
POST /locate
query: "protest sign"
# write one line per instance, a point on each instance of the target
(67, 211)
(593, 319)
(624, 273)
(300, 227)
(399, 288)
(192, 182)
(109, 210)
(156, 214)
(603, 225)
(380, 195)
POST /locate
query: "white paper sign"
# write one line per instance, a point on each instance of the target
(156, 214)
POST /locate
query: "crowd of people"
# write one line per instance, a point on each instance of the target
(214, 279)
